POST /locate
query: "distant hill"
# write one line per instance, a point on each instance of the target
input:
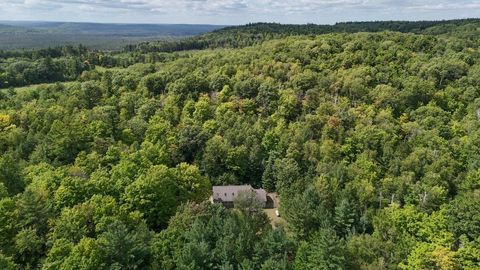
(36, 35)
(5, 28)
(255, 33)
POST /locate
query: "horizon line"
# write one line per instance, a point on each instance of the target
(257, 22)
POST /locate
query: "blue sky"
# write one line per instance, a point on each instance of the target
(236, 11)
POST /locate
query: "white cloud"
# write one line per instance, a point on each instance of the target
(251, 5)
(240, 10)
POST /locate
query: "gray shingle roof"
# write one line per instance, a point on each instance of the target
(228, 193)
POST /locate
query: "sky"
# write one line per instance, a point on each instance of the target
(232, 12)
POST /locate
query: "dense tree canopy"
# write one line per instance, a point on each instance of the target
(371, 140)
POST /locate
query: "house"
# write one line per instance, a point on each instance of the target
(227, 194)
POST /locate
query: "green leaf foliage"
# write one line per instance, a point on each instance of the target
(366, 135)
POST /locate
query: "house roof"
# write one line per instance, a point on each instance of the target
(229, 193)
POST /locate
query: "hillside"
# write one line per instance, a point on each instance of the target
(256, 33)
(370, 139)
(39, 35)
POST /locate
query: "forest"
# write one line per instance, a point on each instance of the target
(100, 36)
(369, 133)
